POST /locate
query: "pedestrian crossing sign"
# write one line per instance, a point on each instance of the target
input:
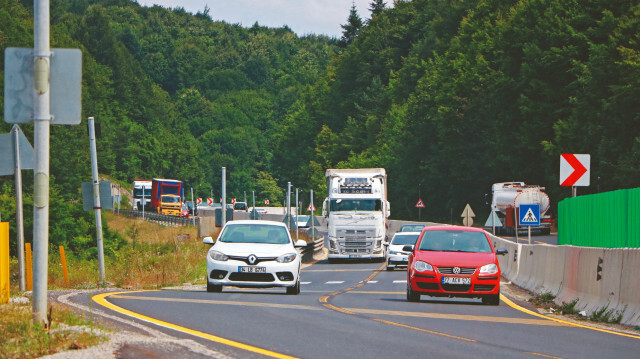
(529, 215)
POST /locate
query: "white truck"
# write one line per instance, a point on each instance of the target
(507, 196)
(141, 194)
(357, 209)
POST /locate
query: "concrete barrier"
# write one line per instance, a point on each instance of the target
(526, 263)
(588, 287)
(610, 279)
(554, 270)
(569, 288)
(629, 288)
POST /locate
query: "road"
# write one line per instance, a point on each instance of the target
(358, 310)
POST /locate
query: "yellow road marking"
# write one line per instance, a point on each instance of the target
(101, 299)
(479, 318)
(515, 306)
(424, 330)
(543, 355)
(225, 302)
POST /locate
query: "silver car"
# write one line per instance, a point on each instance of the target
(395, 256)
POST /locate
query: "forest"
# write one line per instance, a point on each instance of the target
(449, 96)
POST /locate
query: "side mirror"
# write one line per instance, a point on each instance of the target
(501, 251)
(407, 248)
(386, 244)
(300, 243)
(207, 240)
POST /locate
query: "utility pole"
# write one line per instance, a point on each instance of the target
(297, 206)
(96, 196)
(313, 218)
(288, 217)
(224, 196)
(19, 212)
(41, 128)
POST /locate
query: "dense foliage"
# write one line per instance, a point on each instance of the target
(448, 96)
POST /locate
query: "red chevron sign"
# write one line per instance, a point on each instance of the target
(575, 169)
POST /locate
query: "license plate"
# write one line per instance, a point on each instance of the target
(456, 280)
(252, 269)
(355, 255)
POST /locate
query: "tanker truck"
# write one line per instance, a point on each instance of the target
(508, 196)
(357, 209)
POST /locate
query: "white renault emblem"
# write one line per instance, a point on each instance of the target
(456, 270)
(252, 259)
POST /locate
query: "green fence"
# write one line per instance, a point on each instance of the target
(606, 220)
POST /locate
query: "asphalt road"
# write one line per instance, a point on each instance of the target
(358, 310)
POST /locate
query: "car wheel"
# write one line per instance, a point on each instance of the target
(491, 299)
(294, 290)
(412, 295)
(213, 288)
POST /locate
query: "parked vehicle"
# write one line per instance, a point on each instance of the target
(141, 194)
(454, 261)
(411, 228)
(241, 206)
(357, 210)
(395, 256)
(254, 253)
(507, 196)
(167, 196)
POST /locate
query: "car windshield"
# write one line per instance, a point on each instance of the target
(355, 205)
(254, 233)
(412, 228)
(455, 241)
(405, 239)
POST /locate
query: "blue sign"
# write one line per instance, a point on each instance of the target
(529, 215)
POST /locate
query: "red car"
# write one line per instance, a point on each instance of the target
(454, 261)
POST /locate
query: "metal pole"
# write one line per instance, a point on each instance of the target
(96, 196)
(245, 196)
(194, 207)
(574, 191)
(493, 220)
(297, 205)
(529, 230)
(313, 219)
(41, 128)
(143, 201)
(224, 195)
(515, 221)
(419, 198)
(19, 209)
(253, 195)
(288, 217)
(119, 198)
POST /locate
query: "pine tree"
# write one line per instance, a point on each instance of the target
(351, 29)
(377, 6)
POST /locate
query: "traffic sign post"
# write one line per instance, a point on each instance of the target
(529, 215)
(210, 201)
(575, 171)
(467, 216)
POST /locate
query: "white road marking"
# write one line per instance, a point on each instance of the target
(400, 281)
(335, 282)
(305, 282)
(372, 282)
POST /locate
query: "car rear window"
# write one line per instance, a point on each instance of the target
(455, 241)
(254, 233)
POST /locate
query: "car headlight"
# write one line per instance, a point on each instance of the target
(421, 266)
(489, 269)
(286, 258)
(218, 256)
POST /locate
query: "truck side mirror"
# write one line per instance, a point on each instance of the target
(324, 207)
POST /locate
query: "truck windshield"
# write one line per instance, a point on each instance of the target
(170, 199)
(355, 205)
(137, 192)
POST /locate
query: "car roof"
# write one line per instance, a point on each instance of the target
(453, 228)
(263, 222)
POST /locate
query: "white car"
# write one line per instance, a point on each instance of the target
(395, 256)
(254, 254)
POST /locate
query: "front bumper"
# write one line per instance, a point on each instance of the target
(397, 260)
(341, 248)
(275, 275)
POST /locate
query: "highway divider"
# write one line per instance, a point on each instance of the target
(599, 279)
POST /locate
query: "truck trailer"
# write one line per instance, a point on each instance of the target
(357, 210)
(167, 196)
(508, 196)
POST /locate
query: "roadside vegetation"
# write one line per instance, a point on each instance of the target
(601, 315)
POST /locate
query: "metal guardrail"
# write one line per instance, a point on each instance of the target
(163, 218)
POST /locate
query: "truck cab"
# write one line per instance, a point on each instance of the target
(170, 204)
